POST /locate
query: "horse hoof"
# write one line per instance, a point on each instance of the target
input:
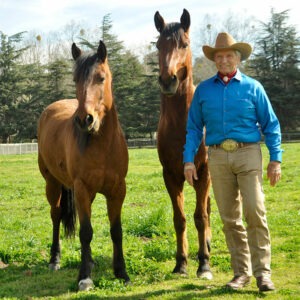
(205, 275)
(85, 284)
(128, 283)
(180, 271)
(54, 267)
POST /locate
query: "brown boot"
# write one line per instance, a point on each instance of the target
(265, 284)
(238, 282)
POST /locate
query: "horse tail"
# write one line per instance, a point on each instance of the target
(68, 211)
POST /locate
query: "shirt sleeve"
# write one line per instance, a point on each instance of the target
(269, 124)
(194, 129)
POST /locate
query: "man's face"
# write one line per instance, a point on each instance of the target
(226, 61)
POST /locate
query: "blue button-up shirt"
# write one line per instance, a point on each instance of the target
(239, 110)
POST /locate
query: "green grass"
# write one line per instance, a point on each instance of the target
(149, 238)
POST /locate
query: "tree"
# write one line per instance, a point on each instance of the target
(59, 80)
(34, 95)
(27, 86)
(126, 83)
(276, 66)
(203, 68)
(11, 88)
(148, 106)
(44, 84)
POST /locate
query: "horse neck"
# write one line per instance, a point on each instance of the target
(110, 122)
(188, 84)
(111, 116)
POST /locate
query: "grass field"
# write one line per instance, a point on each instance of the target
(149, 239)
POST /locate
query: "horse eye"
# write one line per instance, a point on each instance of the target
(185, 45)
(99, 79)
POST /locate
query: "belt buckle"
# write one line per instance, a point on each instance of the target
(229, 145)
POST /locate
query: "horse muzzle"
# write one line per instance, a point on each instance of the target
(168, 86)
(87, 124)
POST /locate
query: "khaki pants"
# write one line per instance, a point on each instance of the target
(237, 185)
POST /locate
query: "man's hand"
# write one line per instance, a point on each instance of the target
(190, 173)
(274, 172)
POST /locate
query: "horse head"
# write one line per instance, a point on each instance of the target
(174, 53)
(92, 78)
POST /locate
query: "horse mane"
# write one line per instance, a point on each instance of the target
(172, 30)
(83, 66)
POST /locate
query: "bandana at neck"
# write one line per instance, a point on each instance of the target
(226, 78)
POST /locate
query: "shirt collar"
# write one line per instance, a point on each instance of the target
(237, 76)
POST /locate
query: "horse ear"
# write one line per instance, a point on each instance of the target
(159, 22)
(185, 20)
(76, 52)
(101, 52)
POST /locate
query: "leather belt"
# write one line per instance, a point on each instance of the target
(230, 145)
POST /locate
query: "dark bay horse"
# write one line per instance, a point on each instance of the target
(82, 151)
(177, 89)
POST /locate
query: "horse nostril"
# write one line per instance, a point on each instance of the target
(163, 82)
(89, 120)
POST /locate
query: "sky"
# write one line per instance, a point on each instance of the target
(132, 20)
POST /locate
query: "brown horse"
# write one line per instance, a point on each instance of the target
(82, 151)
(177, 89)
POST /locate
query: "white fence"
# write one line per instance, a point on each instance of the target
(23, 148)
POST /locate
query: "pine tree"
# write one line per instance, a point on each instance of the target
(34, 92)
(11, 88)
(148, 108)
(59, 81)
(276, 66)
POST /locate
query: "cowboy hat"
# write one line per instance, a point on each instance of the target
(225, 41)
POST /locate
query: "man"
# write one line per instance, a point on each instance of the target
(234, 109)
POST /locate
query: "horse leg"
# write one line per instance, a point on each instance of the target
(114, 207)
(83, 200)
(175, 190)
(202, 222)
(53, 193)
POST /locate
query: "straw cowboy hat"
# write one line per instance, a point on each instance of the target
(225, 41)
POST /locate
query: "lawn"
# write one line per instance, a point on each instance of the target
(149, 238)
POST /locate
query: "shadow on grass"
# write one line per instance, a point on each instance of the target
(183, 292)
(23, 282)
(19, 282)
(39, 282)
